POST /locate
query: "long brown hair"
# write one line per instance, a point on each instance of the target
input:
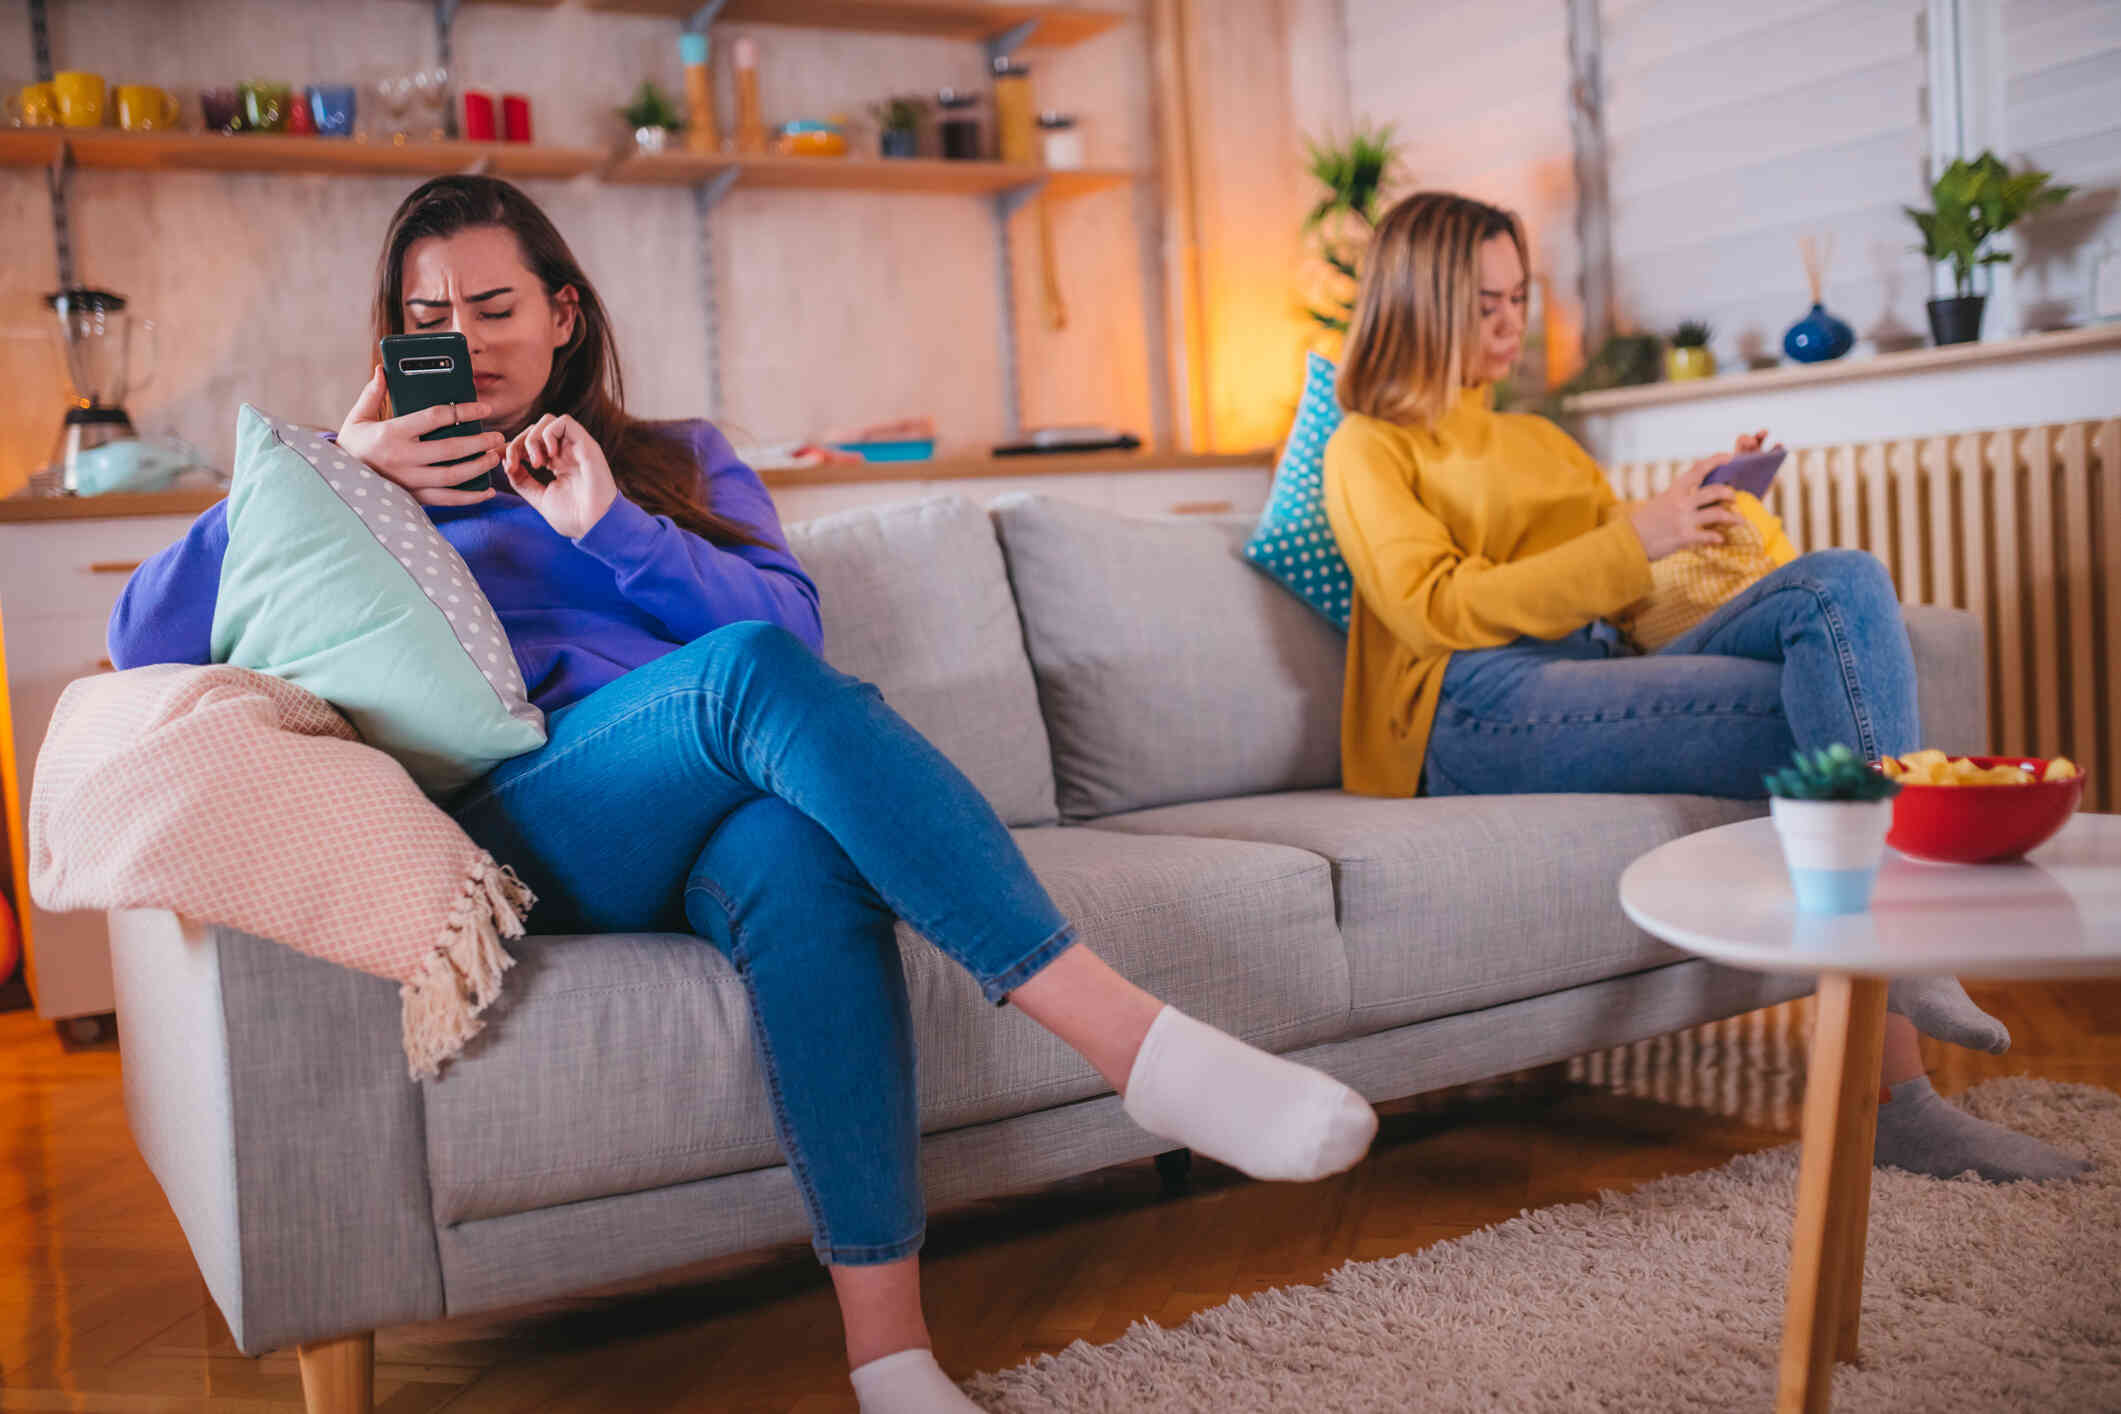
(650, 461)
(1417, 317)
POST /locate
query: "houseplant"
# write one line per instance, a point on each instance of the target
(898, 126)
(1832, 810)
(1354, 174)
(652, 117)
(1688, 355)
(1971, 204)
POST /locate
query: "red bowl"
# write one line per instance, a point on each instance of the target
(1982, 824)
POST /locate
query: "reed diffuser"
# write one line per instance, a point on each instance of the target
(1818, 336)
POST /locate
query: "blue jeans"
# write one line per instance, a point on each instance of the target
(1812, 654)
(742, 790)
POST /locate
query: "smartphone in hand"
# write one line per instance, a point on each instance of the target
(1753, 471)
(422, 370)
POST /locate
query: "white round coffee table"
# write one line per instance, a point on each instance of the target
(1725, 894)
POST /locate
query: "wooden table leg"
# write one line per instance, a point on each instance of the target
(1825, 1300)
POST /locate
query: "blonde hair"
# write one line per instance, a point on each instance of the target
(1417, 316)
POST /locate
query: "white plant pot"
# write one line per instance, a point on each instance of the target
(651, 139)
(1833, 849)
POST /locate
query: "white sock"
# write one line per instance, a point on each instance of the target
(1260, 1114)
(909, 1382)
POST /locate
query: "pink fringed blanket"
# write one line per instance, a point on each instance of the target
(237, 798)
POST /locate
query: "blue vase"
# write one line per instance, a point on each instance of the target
(1817, 337)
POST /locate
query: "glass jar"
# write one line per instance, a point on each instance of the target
(1015, 136)
(958, 127)
(1061, 141)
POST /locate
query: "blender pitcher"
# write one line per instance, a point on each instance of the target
(96, 334)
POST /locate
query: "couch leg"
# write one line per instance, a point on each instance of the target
(339, 1376)
(1174, 1167)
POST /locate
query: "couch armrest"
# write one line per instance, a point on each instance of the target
(1951, 678)
(267, 1092)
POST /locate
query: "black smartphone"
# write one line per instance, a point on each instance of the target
(422, 370)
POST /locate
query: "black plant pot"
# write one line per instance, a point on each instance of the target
(1956, 320)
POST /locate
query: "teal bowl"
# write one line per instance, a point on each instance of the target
(912, 450)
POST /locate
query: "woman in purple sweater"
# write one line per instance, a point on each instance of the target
(707, 772)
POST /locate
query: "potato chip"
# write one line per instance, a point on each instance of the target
(2060, 769)
(1921, 760)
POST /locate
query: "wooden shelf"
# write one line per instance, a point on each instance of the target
(278, 152)
(118, 503)
(908, 174)
(1050, 464)
(1850, 370)
(1058, 25)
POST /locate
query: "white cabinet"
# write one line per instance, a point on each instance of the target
(59, 580)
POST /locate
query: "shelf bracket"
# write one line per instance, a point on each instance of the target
(1007, 203)
(1010, 200)
(55, 179)
(478, 166)
(445, 23)
(704, 16)
(1002, 45)
(708, 194)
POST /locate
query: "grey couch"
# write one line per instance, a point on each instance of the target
(1159, 724)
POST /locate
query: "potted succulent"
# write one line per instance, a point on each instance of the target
(898, 126)
(652, 117)
(1689, 356)
(1832, 810)
(1973, 203)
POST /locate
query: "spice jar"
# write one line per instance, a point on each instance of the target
(1014, 132)
(1061, 139)
(958, 128)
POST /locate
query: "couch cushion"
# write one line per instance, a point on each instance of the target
(1294, 540)
(1168, 667)
(1466, 901)
(915, 600)
(621, 1063)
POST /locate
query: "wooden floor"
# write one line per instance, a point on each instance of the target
(102, 1309)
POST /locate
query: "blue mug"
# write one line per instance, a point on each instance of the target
(332, 106)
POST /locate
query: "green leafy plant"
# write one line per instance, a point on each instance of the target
(652, 108)
(1833, 773)
(1691, 334)
(1354, 174)
(897, 115)
(1623, 361)
(1974, 202)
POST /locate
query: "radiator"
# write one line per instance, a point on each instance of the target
(2021, 526)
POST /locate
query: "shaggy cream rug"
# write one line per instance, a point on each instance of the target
(1975, 1298)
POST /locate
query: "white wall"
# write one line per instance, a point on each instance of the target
(837, 309)
(2061, 72)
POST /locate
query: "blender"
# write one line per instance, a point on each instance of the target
(96, 333)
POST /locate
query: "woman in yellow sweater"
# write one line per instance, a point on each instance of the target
(1488, 553)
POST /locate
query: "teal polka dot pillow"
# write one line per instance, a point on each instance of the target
(1294, 543)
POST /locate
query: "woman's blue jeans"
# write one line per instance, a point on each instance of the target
(742, 790)
(1812, 654)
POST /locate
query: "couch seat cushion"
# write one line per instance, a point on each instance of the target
(1451, 904)
(620, 1063)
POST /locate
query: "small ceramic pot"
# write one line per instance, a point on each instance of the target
(651, 139)
(1817, 337)
(1682, 364)
(898, 142)
(1956, 320)
(1833, 849)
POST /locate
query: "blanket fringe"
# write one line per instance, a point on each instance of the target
(462, 976)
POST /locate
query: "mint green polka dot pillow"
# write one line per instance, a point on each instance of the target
(336, 580)
(1294, 543)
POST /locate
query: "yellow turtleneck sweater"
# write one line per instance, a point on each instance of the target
(1466, 534)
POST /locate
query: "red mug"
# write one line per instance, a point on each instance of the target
(515, 117)
(478, 116)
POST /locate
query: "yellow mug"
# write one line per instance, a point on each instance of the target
(80, 98)
(143, 108)
(37, 106)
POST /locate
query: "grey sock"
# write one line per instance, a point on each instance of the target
(1921, 1131)
(1940, 1007)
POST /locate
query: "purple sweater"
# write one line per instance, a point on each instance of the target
(579, 613)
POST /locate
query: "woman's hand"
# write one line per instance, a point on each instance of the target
(392, 446)
(1749, 442)
(1686, 514)
(578, 487)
